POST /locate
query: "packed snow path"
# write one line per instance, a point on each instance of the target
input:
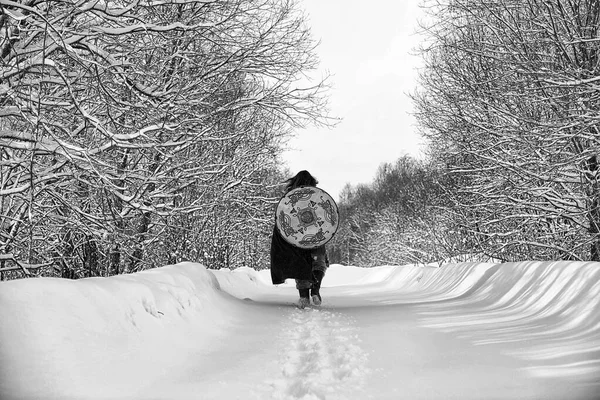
(463, 331)
(321, 356)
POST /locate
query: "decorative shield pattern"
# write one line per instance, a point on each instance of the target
(307, 217)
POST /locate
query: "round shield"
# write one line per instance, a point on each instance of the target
(307, 217)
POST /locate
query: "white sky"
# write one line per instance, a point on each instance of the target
(368, 51)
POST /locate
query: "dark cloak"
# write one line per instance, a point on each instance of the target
(288, 261)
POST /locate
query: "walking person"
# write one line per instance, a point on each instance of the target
(306, 266)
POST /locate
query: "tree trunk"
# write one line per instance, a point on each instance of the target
(138, 252)
(90, 252)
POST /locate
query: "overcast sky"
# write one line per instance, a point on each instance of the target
(366, 47)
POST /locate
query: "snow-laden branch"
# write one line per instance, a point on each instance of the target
(118, 31)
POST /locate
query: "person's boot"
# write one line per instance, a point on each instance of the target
(316, 296)
(314, 291)
(304, 299)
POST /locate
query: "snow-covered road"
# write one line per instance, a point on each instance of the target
(463, 331)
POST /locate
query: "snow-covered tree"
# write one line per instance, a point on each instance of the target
(123, 123)
(400, 218)
(509, 102)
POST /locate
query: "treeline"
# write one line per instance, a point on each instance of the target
(137, 134)
(509, 102)
(403, 217)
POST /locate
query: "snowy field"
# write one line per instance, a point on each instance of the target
(526, 330)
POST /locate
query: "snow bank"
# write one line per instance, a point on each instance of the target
(115, 337)
(340, 275)
(102, 334)
(549, 312)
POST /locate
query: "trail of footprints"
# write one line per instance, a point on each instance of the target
(322, 358)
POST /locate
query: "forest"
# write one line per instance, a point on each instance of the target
(135, 134)
(508, 101)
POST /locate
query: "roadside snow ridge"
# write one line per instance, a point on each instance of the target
(321, 358)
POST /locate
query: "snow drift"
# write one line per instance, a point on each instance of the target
(70, 339)
(125, 336)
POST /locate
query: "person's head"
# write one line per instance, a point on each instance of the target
(302, 178)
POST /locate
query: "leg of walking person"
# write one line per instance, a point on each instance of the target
(319, 266)
(303, 287)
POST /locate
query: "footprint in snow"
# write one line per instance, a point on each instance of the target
(321, 357)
